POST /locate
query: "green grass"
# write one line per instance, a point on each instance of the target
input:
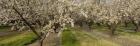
(68, 38)
(18, 40)
(122, 32)
(9, 35)
(83, 39)
(74, 37)
(87, 39)
(4, 28)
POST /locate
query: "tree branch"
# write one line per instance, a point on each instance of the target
(28, 24)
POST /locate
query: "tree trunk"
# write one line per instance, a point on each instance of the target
(137, 26)
(126, 24)
(56, 27)
(14, 28)
(112, 28)
(98, 24)
(28, 24)
(44, 35)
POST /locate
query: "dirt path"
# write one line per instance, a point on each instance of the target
(52, 39)
(35, 44)
(7, 33)
(3, 33)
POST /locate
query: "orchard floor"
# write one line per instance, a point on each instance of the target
(74, 37)
(14, 38)
(94, 37)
